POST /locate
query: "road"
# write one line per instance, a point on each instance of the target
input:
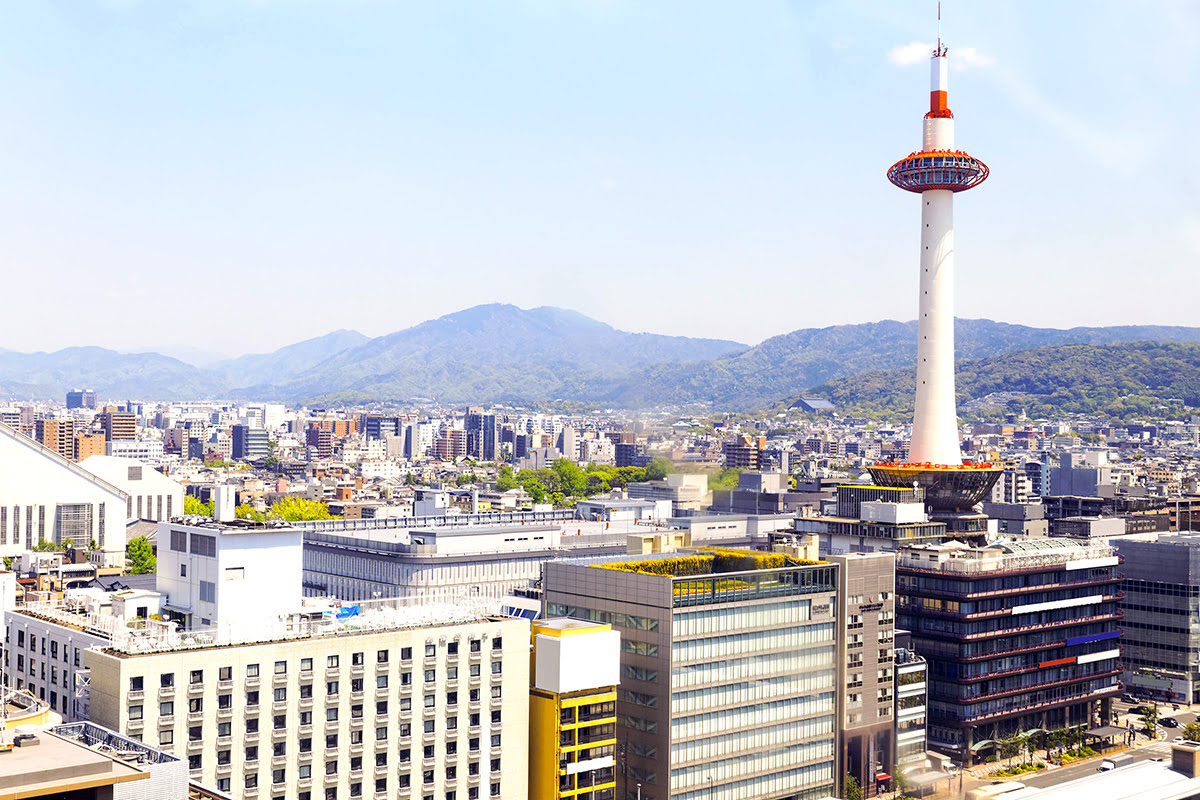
(1057, 775)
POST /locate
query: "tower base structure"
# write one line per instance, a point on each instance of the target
(948, 487)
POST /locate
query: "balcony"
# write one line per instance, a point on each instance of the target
(979, 698)
(166, 691)
(1116, 577)
(135, 694)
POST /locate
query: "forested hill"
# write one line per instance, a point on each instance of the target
(1117, 380)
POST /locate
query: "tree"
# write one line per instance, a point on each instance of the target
(463, 480)
(1150, 718)
(1191, 731)
(68, 544)
(658, 468)
(139, 557)
(853, 788)
(44, 546)
(298, 509)
(505, 480)
(574, 481)
(193, 507)
(247, 511)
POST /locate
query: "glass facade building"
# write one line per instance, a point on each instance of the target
(1017, 636)
(728, 680)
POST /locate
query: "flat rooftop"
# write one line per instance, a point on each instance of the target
(317, 617)
(56, 765)
(1143, 780)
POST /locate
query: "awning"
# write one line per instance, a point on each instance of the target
(980, 745)
(1107, 732)
(1033, 731)
(883, 776)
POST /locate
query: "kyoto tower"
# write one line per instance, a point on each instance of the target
(936, 173)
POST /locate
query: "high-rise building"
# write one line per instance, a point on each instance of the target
(379, 427)
(250, 444)
(573, 710)
(936, 172)
(866, 601)
(728, 670)
(57, 435)
(81, 398)
(118, 425)
(1018, 635)
(1161, 643)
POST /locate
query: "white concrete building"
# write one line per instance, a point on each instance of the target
(45, 496)
(149, 451)
(152, 495)
(229, 576)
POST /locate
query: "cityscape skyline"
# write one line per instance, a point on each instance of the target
(562, 156)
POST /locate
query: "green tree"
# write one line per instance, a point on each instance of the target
(574, 481)
(1191, 731)
(724, 478)
(193, 507)
(139, 557)
(463, 480)
(44, 546)
(505, 480)
(298, 509)
(68, 544)
(853, 788)
(1150, 718)
(658, 468)
(247, 511)
(8, 562)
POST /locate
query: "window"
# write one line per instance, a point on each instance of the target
(166, 709)
(252, 753)
(208, 592)
(135, 683)
(497, 643)
(280, 694)
(166, 680)
(281, 668)
(381, 733)
(203, 545)
(430, 675)
(280, 722)
(306, 665)
(331, 715)
(197, 676)
(331, 741)
(356, 659)
(195, 705)
(381, 681)
(430, 650)
(225, 674)
(496, 665)
(381, 657)
(195, 733)
(135, 712)
(252, 725)
(252, 697)
(224, 729)
(331, 662)
(166, 736)
(179, 541)
(252, 670)
(429, 726)
(331, 687)
(406, 654)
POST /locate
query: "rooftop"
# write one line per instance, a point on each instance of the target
(704, 561)
(318, 617)
(57, 765)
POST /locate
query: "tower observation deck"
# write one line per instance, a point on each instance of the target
(937, 172)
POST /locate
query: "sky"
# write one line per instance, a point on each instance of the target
(236, 175)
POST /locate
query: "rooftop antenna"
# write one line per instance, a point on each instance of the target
(941, 51)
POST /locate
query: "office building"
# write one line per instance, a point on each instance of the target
(631, 454)
(745, 452)
(866, 610)
(380, 427)
(44, 496)
(911, 690)
(488, 554)
(728, 670)
(1161, 643)
(1018, 635)
(687, 493)
(572, 710)
(250, 444)
(870, 519)
(81, 398)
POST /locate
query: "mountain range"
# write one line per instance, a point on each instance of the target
(501, 353)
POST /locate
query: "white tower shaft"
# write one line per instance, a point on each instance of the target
(935, 436)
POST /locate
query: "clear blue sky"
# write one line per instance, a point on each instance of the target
(239, 175)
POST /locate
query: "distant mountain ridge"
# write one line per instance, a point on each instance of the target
(502, 353)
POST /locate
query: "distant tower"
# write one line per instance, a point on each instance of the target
(936, 172)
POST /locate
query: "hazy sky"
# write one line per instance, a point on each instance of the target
(236, 175)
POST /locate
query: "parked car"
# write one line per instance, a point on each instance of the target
(1169, 722)
(1178, 740)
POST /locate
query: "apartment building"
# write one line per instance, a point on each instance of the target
(118, 425)
(572, 710)
(728, 670)
(1018, 635)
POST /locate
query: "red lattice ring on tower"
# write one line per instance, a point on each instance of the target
(938, 169)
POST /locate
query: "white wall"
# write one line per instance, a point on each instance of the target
(32, 477)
